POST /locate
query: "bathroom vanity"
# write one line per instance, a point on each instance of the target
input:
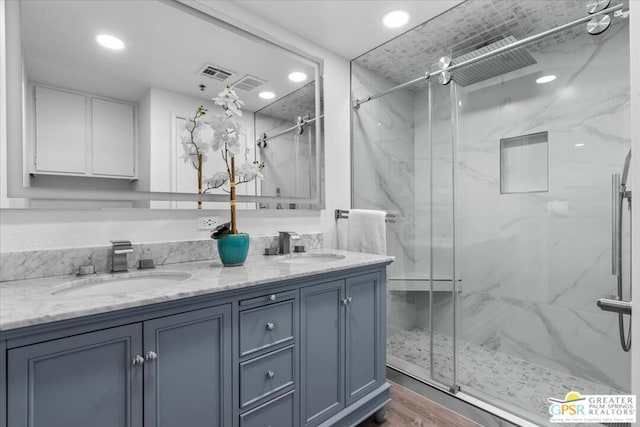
(272, 343)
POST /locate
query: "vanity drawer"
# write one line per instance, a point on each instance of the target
(267, 299)
(265, 375)
(266, 326)
(277, 413)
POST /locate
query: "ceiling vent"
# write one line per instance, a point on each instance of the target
(248, 83)
(215, 73)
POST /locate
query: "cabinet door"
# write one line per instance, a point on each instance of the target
(113, 138)
(189, 383)
(364, 340)
(60, 131)
(322, 346)
(84, 380)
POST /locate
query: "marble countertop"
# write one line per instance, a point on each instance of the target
(36, 301)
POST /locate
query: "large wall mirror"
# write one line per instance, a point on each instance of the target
(97, 126)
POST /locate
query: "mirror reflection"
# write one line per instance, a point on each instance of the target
(111, 90)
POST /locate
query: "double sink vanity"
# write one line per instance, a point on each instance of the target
(289, 340)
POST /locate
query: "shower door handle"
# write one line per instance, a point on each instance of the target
(617, 306)
(615, 222)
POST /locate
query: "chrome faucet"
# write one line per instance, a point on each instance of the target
(284, 241)
(119, 251)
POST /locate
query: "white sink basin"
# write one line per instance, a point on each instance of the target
(308, 258)
(120, 282)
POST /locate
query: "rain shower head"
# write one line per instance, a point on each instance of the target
(511, 60)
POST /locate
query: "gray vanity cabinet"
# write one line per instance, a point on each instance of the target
(83, 380)
(342, 345)
(178, 365)
(187, 371)
(322, 346)
(300, 352)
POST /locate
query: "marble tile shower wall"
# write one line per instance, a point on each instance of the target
(383, 146)
(383, 168)
(532, 264)
(60, 262)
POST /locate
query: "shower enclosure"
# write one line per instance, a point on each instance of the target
(286, 143)
(500, 182)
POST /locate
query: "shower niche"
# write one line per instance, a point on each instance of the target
(524, 163)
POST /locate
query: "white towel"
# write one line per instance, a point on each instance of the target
(367, 231)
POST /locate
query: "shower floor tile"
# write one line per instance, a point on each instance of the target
(503, 380)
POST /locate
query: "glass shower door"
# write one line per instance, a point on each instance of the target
(533, 219)
(391, 161)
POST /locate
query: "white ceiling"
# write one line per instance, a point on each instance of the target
(348, 28)
(165, 48)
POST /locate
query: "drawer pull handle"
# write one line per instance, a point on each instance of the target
(270, 326)
(271, 297)
(150, 356)
(271, 374)
(138, 361)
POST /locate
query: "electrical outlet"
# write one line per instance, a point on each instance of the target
(208, 222)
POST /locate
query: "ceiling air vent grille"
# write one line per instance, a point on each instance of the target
(248, 83)
(216, 73)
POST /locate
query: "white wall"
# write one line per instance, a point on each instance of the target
(4, 202)
(40, 229)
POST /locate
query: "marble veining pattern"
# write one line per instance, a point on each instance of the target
(35, 301)
(60, 262)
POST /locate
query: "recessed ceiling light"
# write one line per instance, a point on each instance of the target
(395, 18)
(110, 42)
(267, 95)
(297, 76)
(546, 79)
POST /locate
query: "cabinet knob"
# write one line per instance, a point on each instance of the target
(150, 356)
(272, 297)
(270, 326)
(271, 374)
(347, 301)
(138, 361)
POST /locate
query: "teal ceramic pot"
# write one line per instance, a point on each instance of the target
(233, 249)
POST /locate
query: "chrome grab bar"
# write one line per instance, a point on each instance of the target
(614, 305)
(615, 222)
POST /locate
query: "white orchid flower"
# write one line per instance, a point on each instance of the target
(233, 146)
(190, 149)
(203, 134)
(250, 171)
(218, 179)
(189, 124)
(185, 137)
(229, 101)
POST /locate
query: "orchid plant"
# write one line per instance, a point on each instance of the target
(220, 135)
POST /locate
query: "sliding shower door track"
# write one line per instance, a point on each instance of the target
(466, 405)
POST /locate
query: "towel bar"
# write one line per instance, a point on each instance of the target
(343, 214)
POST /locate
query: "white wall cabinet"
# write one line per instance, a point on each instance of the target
(80, 135)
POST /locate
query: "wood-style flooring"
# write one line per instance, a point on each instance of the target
(410, 409)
